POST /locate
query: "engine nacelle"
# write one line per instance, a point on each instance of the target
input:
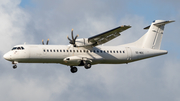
(72, 60)
(82, 42)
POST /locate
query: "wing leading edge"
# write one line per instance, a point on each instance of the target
(107, 36)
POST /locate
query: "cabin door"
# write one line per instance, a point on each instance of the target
(129, 54)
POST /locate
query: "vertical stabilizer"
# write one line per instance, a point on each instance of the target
(152, 39)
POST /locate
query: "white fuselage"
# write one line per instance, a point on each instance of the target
(72, 56)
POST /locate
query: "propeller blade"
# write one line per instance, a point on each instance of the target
(42, 41)
(76, 37)
(72, 36)
(47, 42)
(70, 41)
(69, 38)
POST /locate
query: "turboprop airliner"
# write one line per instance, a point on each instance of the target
(89, 51)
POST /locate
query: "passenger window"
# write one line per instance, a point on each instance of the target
(141, 52)
(70, 50)
(114, 51)
(104, 51)
(22, 48)
(123, 51)
(57, 50)
(80, 50)
(44, 50)
(73, 50)
(47, 50)
(84, 50)
(87, 51)
(63, 50)
(110, 51)
(91, 51)
(77, 50)
(101, 51)
(54, 50)
(60, 50)
(120, 51)
(107, 51)
(117, 51)
(94, 51)
(97, 51)
(67, 50)
(50, 50)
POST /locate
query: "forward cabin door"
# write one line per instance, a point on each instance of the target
(35, 52)
(129, 54)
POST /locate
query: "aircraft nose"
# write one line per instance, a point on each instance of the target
(6, 56)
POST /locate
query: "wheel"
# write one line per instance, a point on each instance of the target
(74, 69)
(15, 66)
(87, 65)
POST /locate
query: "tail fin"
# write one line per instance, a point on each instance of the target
(152, 39)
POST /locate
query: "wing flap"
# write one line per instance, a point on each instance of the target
(107, 36)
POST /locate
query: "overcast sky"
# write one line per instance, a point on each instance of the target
(30, 21)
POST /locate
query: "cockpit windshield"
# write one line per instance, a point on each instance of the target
(18, 48)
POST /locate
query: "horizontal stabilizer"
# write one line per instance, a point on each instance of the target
(147, 27)
(163, 23)
(160, 23)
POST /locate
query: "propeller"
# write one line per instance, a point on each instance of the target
(73, 40)
(46, 42)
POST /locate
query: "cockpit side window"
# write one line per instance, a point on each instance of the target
(14, 48)
(18, 48)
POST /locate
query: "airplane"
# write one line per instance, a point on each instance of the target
(90, 51)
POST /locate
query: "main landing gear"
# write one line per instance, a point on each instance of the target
(73, 69)
(87, 65)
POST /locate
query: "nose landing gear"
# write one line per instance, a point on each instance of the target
(15, 66)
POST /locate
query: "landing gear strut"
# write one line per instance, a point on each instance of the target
(15, 66)
(73, 69)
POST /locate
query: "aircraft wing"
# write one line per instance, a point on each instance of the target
(107, 36)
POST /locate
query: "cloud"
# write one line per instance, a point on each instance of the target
(13, 19)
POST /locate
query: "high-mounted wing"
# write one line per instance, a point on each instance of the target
(107, 36)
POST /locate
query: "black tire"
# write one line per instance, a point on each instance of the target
(87, 65)
(15, 66)
(74, 70)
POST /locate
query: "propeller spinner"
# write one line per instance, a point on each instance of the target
(73, 40)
